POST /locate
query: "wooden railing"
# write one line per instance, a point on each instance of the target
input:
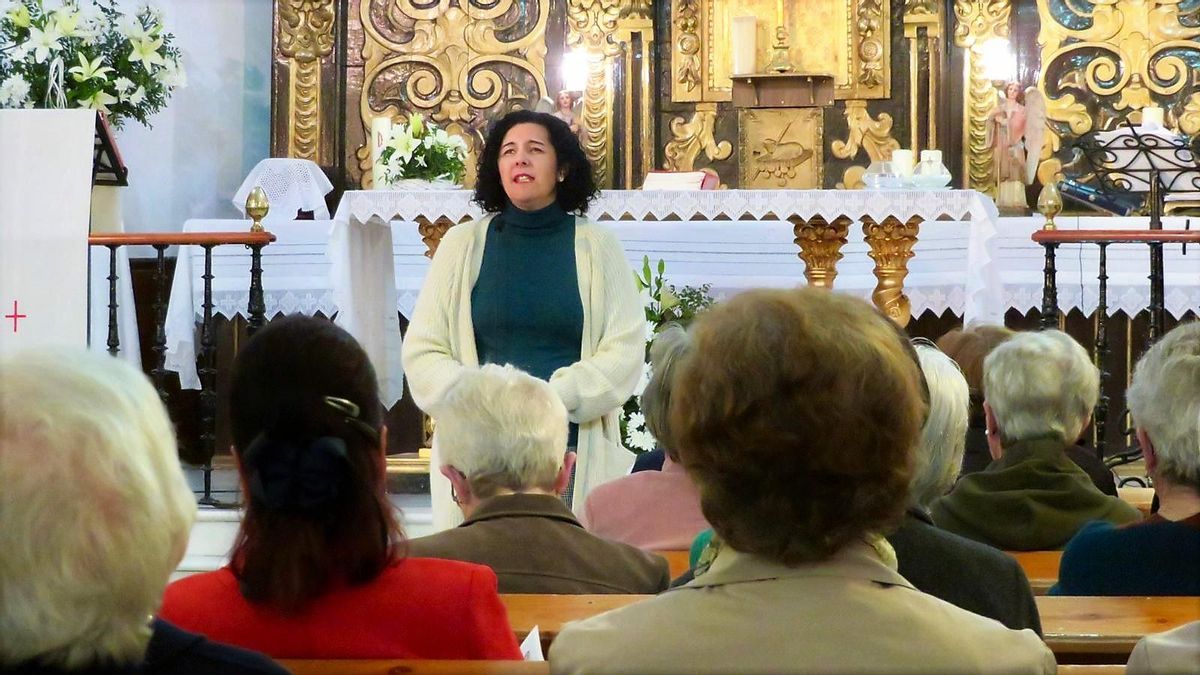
(1155, 239)
(160, 241)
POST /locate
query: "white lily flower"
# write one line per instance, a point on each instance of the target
(44, 42)
(137, 96)
(146, 51)
(87, 70)
(66, 21)
(20, 16)
(98, 101)
(171, 75)
(13, 92)
(122, 84)
(7, 7)
(131, 27)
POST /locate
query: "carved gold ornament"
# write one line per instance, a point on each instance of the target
(305, 37)
(848, 39)
(590, 26)
(976, 22)
(1189, 120)
(690, 137)
(872, 135)
(820, 245)
(456, 67)
(891, 245)
(780, 148)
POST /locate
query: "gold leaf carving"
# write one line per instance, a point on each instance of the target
(873, 135)
(689, 137)
(1189, 121)
(685, 61)
(976, 22)
(780, 148)
(871, 29)
(455, 66)
(305, 38)
(590, 26)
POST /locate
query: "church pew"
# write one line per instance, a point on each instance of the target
(677, 561)
(1040, 566)
(1092, 669)
(1105, 629)
(550, 612)
(1139, 497)
(412, 667)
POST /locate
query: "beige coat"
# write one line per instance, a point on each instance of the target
(850, 614)
(440, 345)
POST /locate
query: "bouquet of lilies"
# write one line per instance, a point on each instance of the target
(420, 150)
(86, 54)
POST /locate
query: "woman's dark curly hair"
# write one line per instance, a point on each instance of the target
(578, 187)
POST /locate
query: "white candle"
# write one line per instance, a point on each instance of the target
(381, 129)
(745, 44)
(1152, 117)
(903, 161)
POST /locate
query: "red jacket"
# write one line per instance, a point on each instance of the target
(417, 608)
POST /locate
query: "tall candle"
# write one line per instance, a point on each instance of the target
(903, 161)
(778, 12)
(381, 129)
(1152, 117)
(745, 44)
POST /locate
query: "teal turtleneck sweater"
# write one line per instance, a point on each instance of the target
(525, 304)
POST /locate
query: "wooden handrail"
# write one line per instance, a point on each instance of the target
(181, 238)
(1116, 236)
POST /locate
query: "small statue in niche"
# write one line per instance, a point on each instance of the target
(1015, 132)
(568, 108)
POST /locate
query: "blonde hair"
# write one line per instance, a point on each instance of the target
(502, 428)
(94, 509)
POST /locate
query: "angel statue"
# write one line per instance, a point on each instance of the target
(566, 107)
(1015, 131)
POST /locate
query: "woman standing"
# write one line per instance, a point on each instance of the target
(534, 286)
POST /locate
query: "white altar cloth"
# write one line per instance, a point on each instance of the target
(359, 240)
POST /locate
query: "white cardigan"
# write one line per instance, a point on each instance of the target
(440, 344)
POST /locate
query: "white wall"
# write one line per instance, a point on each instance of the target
(212, 132)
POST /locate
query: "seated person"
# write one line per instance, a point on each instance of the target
(1160, 555)
(796, 413)
(502, 439)
(968, 348)
(94, 516)
(1039, 390)
(971, 575)
(317, 570)
(1174, 652)
(653, 510)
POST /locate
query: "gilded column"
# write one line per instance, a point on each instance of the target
(976, 22)
(304, 39)
(891, 243)
(591, 24)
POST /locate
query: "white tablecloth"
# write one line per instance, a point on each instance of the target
(360, 271)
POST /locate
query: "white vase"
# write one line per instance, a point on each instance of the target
(421, 184)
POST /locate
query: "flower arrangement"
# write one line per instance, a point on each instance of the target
(420, 150)
(663, 304)
(87, 54)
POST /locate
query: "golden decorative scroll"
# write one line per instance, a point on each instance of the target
(451, 65)
(976, 22)
(305, 37)
(820, 245)
(847, 39)
(872, 135)
(1189, 120)
(780, 148)
(689, 137)
(590, 25)
(891, 245)
(685, 59)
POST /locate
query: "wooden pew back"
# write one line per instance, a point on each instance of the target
(1040, 566)
(1105, 629)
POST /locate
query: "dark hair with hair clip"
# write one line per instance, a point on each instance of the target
(305, 417)
(578, 186)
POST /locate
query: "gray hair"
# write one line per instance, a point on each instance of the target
(94, 508)
(502, 428)
(671, 343)
(938, 459)
(1040, 384)
(1164, 400)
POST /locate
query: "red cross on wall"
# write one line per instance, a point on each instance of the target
(15, 316)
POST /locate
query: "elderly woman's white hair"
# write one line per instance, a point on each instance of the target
(1164, 400)
(938, 458)
(1040, 384)
(502, 428)
(94, 509)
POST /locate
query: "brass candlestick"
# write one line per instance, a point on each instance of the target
(257, 206)
(1050, 203)
(780, 59)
